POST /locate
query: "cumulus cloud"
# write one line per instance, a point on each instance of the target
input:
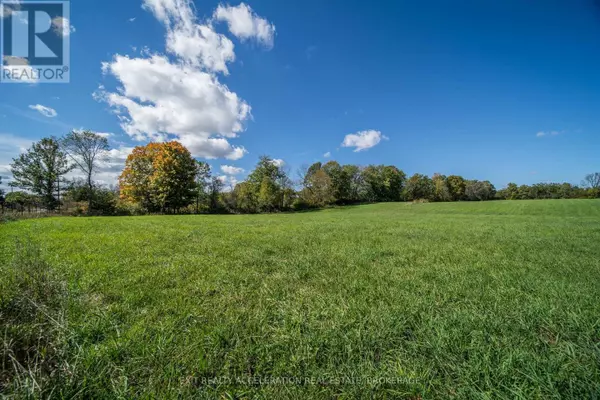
(547, 133)
(45, 111)
(160, 98)
(109, 167)
(230, 170)
(228, 182)
(195, 43)
(62, 26)
(327, 155)
(245, 24)
(363, 140)
(278, 162)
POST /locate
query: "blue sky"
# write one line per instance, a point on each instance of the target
(504, 90)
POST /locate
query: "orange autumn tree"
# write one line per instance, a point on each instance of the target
(159, 177)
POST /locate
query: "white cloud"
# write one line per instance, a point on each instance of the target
(62, 26)
(194, 43)
(10, 147)
(212, 148)
(18, 69)
(109, 167)
(363, 140)
(230, 170)
(132, 19)
(160, 98)
(327, 155)
(548, 133)
(278, 162)
(228, 181)
(45, 111)
(243, 22)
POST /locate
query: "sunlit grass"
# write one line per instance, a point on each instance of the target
(456, 300)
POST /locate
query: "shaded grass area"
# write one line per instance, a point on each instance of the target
(455, 300)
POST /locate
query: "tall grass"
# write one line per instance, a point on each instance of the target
(423, 301)
(33, 325)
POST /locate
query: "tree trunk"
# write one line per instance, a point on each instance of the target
(90, 193)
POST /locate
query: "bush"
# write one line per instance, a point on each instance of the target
(125, 208)
(300, 204)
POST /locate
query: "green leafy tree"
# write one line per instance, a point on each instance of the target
(40, 170)
(269, 181)
(318, 189)
(340, 181)
(441, 189)
(246, 198)
(419, 187)
(20, 201)
(456, 185)
(268, 195)
(358, 190)
(511, 191)
(383, 183)
(480, 190)
(104, 200)
(86, 149)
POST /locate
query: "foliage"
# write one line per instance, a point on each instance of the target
(441, 188)
(480, 191)
(40, 169)
(384, 183)
(542, 191)
(21, 201)
(456, 186)
(160, 177)
(246, 198)
(419, 187)
(266, 189)
(318, 188)
(103, 200)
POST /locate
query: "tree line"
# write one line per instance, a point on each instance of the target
(165, 178)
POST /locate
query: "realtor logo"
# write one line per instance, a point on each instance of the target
(34, 40)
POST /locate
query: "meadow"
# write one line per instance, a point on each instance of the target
(481, 300)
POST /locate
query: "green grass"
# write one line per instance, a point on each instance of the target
(434, 301)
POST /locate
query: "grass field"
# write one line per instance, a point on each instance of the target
(433, 301)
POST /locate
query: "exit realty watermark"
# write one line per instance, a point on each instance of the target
(35, 41)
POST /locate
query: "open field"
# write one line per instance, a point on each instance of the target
(449, 300)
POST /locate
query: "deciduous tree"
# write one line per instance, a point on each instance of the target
(86, 149)
(419, 187)
(456, 185)
(441, 189)
(40, 170)
(160, 177)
